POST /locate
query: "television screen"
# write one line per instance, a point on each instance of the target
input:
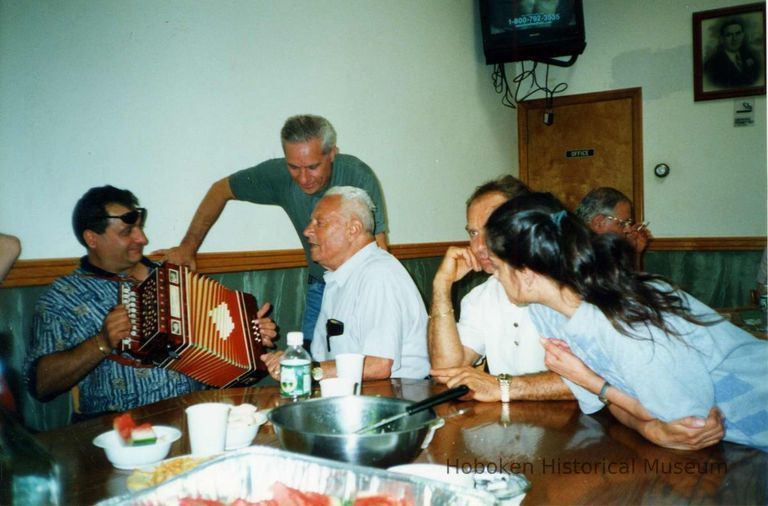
(515, 30)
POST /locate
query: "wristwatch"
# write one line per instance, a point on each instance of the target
(504, 386)
(317, 371)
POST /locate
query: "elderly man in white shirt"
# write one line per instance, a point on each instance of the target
(376, 307)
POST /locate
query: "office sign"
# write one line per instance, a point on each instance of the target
(579, 153)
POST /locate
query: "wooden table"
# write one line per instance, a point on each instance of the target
(569, 457)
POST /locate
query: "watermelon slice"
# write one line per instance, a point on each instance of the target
(288, 496)
(143, 435)
(123, 425)
(131, 434)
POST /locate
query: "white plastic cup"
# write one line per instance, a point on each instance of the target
(335, 387)
(350, 365)
(207, 425)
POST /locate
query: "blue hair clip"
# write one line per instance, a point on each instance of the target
(558, 217)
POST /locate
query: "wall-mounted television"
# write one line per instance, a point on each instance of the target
(538, 30)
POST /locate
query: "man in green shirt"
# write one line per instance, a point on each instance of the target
(311, 165)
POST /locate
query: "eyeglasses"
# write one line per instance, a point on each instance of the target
(624, 223)
(136, 216)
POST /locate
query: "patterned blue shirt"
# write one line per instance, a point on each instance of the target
(719, 365)
(73, 310)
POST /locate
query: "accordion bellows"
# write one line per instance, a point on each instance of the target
(193, 324)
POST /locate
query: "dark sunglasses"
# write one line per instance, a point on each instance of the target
(137, 216)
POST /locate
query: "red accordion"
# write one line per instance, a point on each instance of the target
(188, 322)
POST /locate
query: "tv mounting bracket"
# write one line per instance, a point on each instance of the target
(559, 63)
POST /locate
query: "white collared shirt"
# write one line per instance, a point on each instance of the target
(382, 311)
(491, 325)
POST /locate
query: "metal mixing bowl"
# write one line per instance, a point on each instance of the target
(323, 428)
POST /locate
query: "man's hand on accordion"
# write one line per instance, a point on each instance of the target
(178, 255)
(265, 327)
(116, 326)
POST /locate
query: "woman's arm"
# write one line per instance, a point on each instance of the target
(689, 433)
(669, 377)
(559, 358)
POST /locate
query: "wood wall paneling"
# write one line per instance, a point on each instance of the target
(43, 272)
(708, 244)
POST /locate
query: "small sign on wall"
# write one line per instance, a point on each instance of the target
(579, 153)
(743, 112)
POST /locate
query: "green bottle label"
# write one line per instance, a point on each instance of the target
(295, 378)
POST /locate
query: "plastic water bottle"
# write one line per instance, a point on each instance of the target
(295, 377)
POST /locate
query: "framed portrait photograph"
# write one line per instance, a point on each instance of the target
(729, 52)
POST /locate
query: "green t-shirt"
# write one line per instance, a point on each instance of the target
(270, 183)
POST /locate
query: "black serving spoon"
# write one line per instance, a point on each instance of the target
(427, 403)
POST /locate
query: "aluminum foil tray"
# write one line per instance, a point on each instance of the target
(249, 474)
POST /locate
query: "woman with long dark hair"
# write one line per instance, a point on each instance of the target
(623, 336)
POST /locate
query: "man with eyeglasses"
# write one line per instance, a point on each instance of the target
(490, 325)
(296, 183)
(607, 210)
(77, 323)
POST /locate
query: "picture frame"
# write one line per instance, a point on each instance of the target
(729, 52)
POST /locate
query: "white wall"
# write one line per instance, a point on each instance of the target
(717, 185)
(166, 96)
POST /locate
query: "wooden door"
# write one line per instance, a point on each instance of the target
(594, 140)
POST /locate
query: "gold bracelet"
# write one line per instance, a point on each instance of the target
(104, 351)
(444, 313)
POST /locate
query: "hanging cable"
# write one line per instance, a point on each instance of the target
(508, 99)
(501, 85)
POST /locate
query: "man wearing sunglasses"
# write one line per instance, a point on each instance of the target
(77, 325)
(296, 183)
(607, 210)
